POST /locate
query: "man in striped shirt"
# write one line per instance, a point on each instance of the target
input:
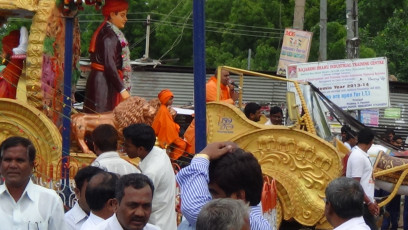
(221, 170)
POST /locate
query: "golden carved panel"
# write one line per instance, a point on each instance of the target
(29, 5)
(35, 51)
(17, 118)
(302, 163)
(42, 11)
(225, 122)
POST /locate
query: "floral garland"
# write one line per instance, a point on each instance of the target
(126, 68)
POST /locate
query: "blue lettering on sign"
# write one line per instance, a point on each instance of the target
(346, 95)
(365, 93)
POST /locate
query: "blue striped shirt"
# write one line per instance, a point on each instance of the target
(193, 181)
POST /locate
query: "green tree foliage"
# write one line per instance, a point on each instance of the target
(392, 42)
(234, 27)
(374, 14)
(336, 42)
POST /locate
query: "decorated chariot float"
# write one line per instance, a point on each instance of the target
(302, 156)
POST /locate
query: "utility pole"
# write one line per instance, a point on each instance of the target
(323, 31)
(353, 41)
(299, 16)
(146, 55)
(249, 59)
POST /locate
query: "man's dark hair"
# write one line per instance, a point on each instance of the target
(345, 129)
(85, 174)
(365, 136)
(236, 171)
(18, 141)
(105, 137)
(350, 134)
(275, 110)
(251, 107)
(346, 197)
(389, 131)
(136, 180)
(99, 192)
(397, 137)
(140, 135)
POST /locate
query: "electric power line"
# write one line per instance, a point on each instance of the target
(178, 39)
(190, 26)
(153, 29)
(212, 29)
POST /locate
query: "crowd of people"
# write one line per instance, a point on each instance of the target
(114, 197)
(220, 189)
(112, 193)
(359, 165)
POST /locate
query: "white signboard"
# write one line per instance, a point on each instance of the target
(350, 84)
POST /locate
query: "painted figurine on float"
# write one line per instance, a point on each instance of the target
(109, 80)
(166, 130)
(14, 54)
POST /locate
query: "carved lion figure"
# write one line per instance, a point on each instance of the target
(133, 110)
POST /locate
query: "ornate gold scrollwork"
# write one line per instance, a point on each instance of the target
(301, 162)
(19, 119)
(42, 10)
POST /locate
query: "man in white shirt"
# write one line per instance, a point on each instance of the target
(350, 139)
(105, 138)
(360, 168)
(25, 205)
(344, 204)
(100, 196)
(155, 163)
(134, 194)
(275, 116)
(78, 214)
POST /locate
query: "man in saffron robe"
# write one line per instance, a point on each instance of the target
(166, 130)
(227, 94)
(14, 66)
(110, 62)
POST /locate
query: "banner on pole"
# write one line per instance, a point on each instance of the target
(295, 49)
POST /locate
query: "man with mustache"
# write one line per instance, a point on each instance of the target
(134, 194)
(25, 205)
(156, 164)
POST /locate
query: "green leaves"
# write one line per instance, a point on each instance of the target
(233, 27)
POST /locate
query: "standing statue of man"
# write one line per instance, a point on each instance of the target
(109, 80)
